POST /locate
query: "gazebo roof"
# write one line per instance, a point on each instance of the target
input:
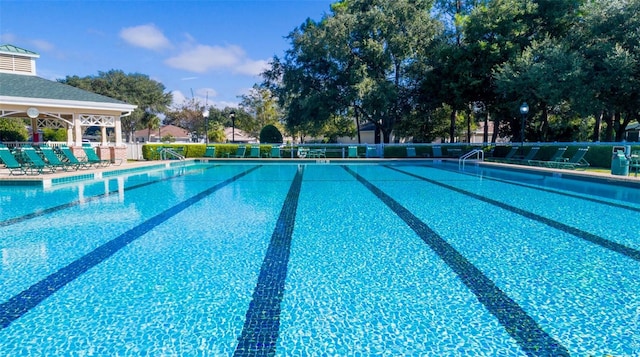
(11, 49)
(17, 88)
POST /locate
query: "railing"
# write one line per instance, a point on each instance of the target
(478, 153)
(167, 153)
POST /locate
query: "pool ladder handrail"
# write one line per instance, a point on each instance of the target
(165, 153)
(478, 153)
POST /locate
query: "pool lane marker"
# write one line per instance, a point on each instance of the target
(533, 340)
(49, 210)
(22, 303)
(586, 236)
(262, 324)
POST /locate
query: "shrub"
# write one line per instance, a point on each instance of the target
(12, 129)
(270, 134)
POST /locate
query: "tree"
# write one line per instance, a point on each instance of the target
(13, 129)
(134, 88)
(262, 106)
(359, 56)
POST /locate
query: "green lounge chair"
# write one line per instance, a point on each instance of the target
(35, 161)
(437, 151)
(634, 162)
(11, 163)
(210, 151)
(411, 152)
(507, 157)
(275, 152)
(303, 152)
(93, 159)
(353, 152)
(530, 155)
(71, 158)
(372, 151)
(557, 156)
(54, 160)
(577, 161)
(255, 152)
(239, 152)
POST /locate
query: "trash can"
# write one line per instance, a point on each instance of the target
(619, 164)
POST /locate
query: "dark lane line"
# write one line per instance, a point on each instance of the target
(22, 303)
(533, 340)
(540, 188)
(589, 237)
(262, 324)
(49, 210)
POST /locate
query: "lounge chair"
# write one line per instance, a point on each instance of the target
(577, 161)
(557, 156)
(93, 159)
(210, 151)
(437, 151)
(275, 152)
(530, 155)
(35, 161)
(303, 152)
(70, 157)
(634, 162)
(255, 152)
(54, 160)
(411, 152)
(11, 163)
(507, 157)
(352, 152)
(321, 153)
(239, 152)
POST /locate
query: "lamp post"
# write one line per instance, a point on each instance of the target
(206, 125)
(233, 126)
(524, 110)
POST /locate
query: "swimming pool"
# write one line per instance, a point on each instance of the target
(311, 259)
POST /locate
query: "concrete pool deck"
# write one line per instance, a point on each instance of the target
(49, 179)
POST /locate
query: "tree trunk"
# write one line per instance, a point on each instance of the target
(485, 134)
(598, 126)
(496, 127)
(452, 127)
(608, 133)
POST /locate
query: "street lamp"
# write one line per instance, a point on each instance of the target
(524, 110)
(233, 126)
(206, 125)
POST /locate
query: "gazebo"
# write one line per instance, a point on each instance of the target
(50, 104)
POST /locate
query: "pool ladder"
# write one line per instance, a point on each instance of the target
(169, 153)
(478, 153)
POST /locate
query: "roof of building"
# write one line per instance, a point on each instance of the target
(17, 85)
(15, 50)
(175, 131)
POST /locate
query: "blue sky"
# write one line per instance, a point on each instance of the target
(213, 48)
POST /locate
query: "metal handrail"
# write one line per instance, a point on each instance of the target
(170, 152)
(479, 153)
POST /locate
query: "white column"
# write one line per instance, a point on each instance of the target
(77, 129)
(103, 135)
(118, 131)
(69, 135)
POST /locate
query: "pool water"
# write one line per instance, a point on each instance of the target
(313, 259)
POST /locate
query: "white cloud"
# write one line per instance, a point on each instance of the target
(42, 45)
(202, 58)
(145, 36)
(252, 68)
(206, 93)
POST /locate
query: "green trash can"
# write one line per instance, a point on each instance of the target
(619, 164)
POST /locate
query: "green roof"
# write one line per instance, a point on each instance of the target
(27, 86)
(17, 50)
